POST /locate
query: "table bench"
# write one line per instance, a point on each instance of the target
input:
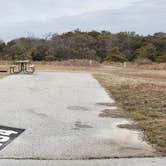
(22, 66)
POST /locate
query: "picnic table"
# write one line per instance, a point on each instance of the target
(22, 66)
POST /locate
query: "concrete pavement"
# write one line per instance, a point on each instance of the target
(111, 162)
(60, 115)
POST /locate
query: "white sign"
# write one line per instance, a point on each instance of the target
(8, 134)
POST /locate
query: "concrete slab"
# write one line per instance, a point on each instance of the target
(60, 115)
(111, 162)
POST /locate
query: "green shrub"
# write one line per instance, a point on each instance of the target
(115, 55)
(161, 57)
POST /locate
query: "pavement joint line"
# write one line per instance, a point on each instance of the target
(100, 158)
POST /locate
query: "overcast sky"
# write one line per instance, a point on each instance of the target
(37, 17)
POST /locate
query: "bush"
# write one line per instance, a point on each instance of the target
(143, 60)
(161, 57)
(49, 58)
(115, 55)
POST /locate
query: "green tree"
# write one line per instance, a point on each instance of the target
(161, 57)
(146, 52)
(39, 53)
(115, 55)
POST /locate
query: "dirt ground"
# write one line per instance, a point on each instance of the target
(140, 91)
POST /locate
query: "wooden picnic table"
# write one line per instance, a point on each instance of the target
(23, 66)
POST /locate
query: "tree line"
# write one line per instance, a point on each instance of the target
(100, 46)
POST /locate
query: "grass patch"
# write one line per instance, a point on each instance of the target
(128, 126)
(112, 113)
(2, 75)
(107, 104)
(143, 102)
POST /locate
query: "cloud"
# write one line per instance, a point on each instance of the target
(40, 10)
(42, 16)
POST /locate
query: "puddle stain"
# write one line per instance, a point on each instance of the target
(78, 108)
(79, 125)
(37, 113)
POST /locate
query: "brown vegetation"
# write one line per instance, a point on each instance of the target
(129, 126)
(143, 96)
(113, 113)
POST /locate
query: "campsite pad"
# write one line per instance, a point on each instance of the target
(61, 119)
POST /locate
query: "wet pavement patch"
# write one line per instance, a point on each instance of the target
(43, 115)
(79, 125)
(78, 108)
(8, 134)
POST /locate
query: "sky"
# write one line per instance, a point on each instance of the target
(22, 18)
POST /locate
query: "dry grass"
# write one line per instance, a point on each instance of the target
(142, 98)
(117, 113)
(107, 104)
(3, 75)
(129, 126)
(68, 65)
